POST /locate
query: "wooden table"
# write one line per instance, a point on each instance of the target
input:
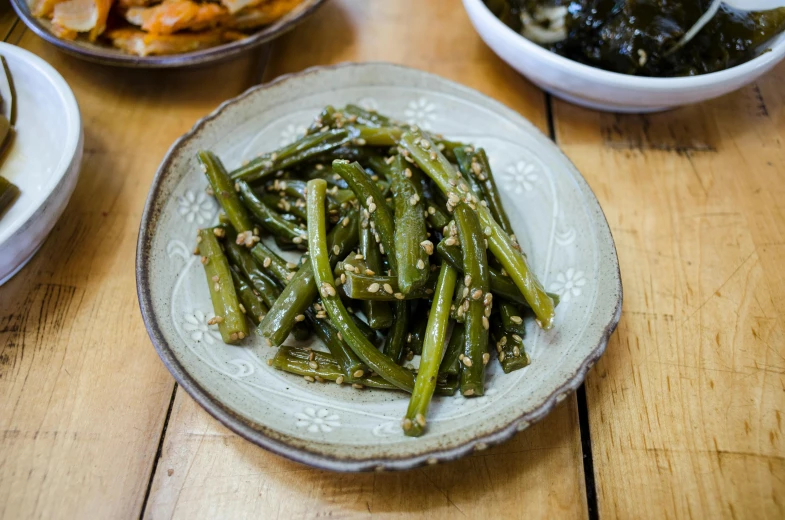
(682, 417)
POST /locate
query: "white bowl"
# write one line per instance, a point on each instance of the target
(43, 160)
(604, 90)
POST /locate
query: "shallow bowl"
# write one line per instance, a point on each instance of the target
(552, 209)
(105, 54)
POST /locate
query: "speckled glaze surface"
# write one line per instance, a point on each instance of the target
(103, 52)
(553, 211)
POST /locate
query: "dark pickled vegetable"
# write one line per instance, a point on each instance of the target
(640, 37)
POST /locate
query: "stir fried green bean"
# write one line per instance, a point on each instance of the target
(372, 290)
(317, 245)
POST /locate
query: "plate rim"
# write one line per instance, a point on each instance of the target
(168, 61)
(259, 434)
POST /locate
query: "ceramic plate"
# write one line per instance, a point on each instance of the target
(104, 53)
(553, 211)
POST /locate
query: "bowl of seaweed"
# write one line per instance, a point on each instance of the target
(632, 56)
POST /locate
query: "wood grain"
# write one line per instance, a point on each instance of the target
(207, 471)
(686, 405)
(83, 395)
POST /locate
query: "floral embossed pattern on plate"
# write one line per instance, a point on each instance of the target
(553, 211)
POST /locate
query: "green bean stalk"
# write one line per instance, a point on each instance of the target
(230, 319)
(317, 246)
(432, 350)
(477, 301)
(421, 150)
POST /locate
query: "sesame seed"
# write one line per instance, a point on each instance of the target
(340, 336)
(369, 200)
(488, 310)
(485, 358)
(216, 278)
(406, 424)
(217, 287)
(358, 386)
(488, 299)
(297, 240)
(428, 291)
(370, 272)
(413, 200)
(311, 356)
(267, 262)
(374, 287)
(501, 356)
(420, 418)
(449, 241)
(485, 323)
(399, 296)
(290, 265)
(269, 362)
(319, 379)
(466, 361)
(309, 379)
(290, 276)
(467, 281)
(371, 207)
(336, 249)
(359, 256)
(233, 336)
(381, 248)
(358, 373)
(420, 264)
(327, 290)
(349, 268)
(488, 230)
(339, 380)
(313, 364)
(462, 356)
(470, 391)
(343, 278)
(299, 317)
(427, 245)
(516, 320)
(433, 156)
(219, 232)
(236, 186)
(477, 294)
(465, 292)
(517, 337)
(516, 351)
(242, 308)
(359, 141)
(503, 341)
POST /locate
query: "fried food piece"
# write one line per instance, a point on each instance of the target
(263, 14)
(146, 44)
(63, 33)
(235, 6)
(43, 8)
(82, 16)
(177, 15)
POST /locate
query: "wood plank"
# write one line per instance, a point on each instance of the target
(207, 471)
(83, 394)
(686, 405)
(8, 19)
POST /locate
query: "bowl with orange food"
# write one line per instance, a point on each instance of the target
(160, 33)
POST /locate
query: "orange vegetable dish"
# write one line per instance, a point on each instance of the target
(154, 27)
